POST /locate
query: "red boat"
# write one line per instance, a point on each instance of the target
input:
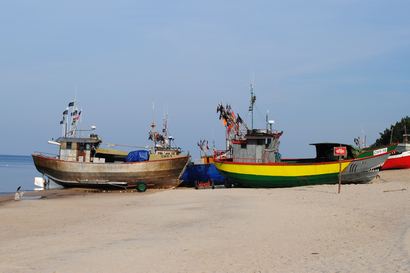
(397, 161)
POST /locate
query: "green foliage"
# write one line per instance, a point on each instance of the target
(398, 130)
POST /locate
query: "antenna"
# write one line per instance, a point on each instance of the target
(271, 122)
(267, 120)
(74, 112)
(252, 103)
(152, 132)
(165, 131)
(364, 139)
(153, 116)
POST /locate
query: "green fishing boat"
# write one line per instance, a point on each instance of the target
(254, 161)
(252, 158)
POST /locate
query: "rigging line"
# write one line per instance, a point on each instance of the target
(261, 115)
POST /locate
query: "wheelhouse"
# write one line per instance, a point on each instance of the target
(258, 146)
(78, 149)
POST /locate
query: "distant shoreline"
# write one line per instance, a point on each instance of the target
(7, 155)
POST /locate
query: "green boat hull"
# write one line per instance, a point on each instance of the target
(260, 181)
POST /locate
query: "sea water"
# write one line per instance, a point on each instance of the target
(15, 171)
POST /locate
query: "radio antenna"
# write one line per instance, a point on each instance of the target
(252, 103)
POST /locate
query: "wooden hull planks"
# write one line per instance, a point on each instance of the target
(161, 173)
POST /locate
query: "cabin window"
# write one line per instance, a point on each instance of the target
(87, 147)
(260, 142)
(243, 145)
(69, 145)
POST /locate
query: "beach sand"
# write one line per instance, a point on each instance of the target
(366, 228)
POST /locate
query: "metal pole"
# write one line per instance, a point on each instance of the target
(252, 119)
(252, 102)
(340, 175)
(251, 107)
(65, 125)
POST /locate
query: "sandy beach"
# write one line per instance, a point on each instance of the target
(366, 228)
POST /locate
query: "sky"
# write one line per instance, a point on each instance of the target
(326, 70)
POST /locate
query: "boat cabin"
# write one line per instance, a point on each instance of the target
(78, 148)
(159, 153)
(258, 146)
(324, 151)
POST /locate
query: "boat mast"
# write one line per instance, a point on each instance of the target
(75, 115)
(252, 103)
(165, 131)
(153, 132)
(267, 120)
(63, 123)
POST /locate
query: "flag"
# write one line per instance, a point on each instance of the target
(71, 104)
(239, 119)
(76, 115)
(230, 126)
(62, 122)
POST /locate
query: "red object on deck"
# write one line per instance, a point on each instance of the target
(399, 161)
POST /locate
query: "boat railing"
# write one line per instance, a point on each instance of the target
(45, 154)
(55, 156)
(248, 160)
(224, 155)
(251, 160)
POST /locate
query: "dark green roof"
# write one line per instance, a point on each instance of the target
(334, 144)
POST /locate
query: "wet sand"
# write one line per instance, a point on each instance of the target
(366, 228)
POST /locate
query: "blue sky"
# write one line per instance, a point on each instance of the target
(326, 70)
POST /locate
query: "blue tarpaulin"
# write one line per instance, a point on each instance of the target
(137, 156)
(201, 172)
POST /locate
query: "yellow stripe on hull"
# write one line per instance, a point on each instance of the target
(281, 169)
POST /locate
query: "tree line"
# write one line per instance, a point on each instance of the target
(395, 133)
